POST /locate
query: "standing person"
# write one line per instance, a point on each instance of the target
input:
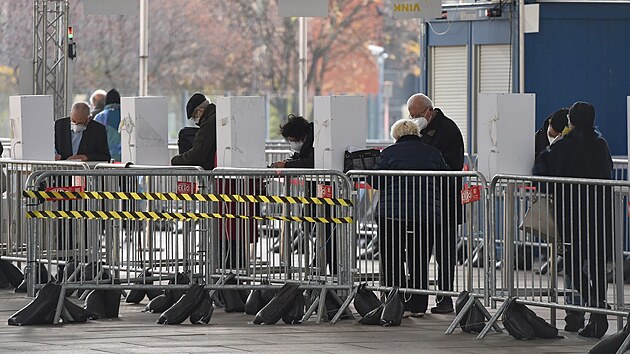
(553, 127)
(97, 102)
(204, 146)
(110, 118)
(406, 216)
(440, 132)
(583, 212)
(79, 138)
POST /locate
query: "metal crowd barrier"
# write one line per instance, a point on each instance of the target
(201, 224)
(13, 175)
(584, 248)
(416, 232)
(620, 169)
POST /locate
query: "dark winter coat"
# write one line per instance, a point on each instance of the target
(204, 148)
(93, 141)
(583, 213)
(409, 198)
(443, 134)
(305, 157)
(540, 139)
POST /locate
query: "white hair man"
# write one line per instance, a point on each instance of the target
(97, 102)
(441, 132)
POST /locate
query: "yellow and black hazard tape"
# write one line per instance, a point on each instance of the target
(154, 216)
(233, 198)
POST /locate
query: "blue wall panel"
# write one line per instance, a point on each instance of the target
(582, 52)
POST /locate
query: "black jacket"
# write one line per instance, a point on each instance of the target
(93, 142)
(540, 139)
(304, 158)
(583, 213)
(410, 198)
(204, 147)
(582, 153)
(444, 134)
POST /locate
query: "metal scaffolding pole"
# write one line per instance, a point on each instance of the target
(303, 77)
(143, 70)
(50, 52)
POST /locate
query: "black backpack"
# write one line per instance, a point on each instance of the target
(523, 323)
(474, 321)
(185, 138)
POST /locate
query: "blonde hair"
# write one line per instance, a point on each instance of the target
(404, 127)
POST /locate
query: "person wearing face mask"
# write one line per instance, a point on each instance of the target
(110, 118)
(555, 125)
(79, 138)
(442, 133)
(204, 145)
(299, 133)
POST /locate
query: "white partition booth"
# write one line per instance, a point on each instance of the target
(340, 121)
(505, 133)
(241, 132)
(32, 127)
(144, 130)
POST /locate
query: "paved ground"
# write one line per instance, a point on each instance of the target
(136, 332)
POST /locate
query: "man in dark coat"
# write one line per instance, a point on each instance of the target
(441, 132)
(409, 211)
(204, 148)
(79, 138)
(583, 211)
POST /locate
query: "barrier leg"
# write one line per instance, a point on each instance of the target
(492, 322)
(344, 306)
(322, 306)
(624, 345)
(310, 310)
(487, 315)
(460, 315)
(62, 297)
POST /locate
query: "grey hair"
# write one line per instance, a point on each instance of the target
(101, 102)
(81, 108)
(404, 127)
(420, 97)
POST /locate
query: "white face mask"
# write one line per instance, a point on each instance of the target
(196, 120)
(296, 145)
(551, 139)
(77, 128)
(421, 122)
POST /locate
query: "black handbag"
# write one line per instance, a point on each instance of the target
(360, 159)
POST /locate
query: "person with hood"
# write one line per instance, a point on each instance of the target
(110, 118)
(554, 126)
(204, 146)
(442, 133)
(407, 217)
(583, 212)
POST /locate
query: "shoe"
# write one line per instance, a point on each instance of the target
(574, 321)
(408, 314)
(443, 307)
(596, 327)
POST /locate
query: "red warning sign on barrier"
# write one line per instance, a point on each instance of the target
(186, 187)
(74, 189)
(471, 194)
(324, 191)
